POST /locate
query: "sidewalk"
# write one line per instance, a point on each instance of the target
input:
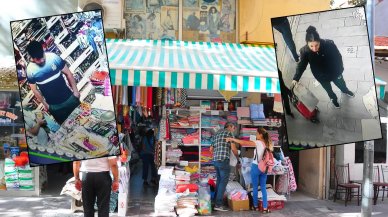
(337, 126)
(298, 206)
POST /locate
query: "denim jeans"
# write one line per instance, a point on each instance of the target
(148, 161)
(339, 82)
(285, 30)
(258, 176)
(223, 170)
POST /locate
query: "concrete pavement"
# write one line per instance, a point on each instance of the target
(297, 206)
(355, 120)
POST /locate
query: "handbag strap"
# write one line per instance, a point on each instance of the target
(257, 154)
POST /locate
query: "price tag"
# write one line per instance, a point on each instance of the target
(252, 137)
(214, 112)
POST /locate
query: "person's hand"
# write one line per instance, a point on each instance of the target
(78, 184)
(77, 94)
(115, 185)
(42, 122)
(229, 139)
(293, 83)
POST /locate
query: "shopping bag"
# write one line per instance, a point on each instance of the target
(122, 204)
(305, 96)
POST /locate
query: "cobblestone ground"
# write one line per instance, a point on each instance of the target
(355, 120)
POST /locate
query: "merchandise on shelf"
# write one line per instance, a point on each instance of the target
(246, 133)
(206, 155)
(204, 199)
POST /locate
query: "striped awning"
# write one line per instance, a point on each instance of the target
(193, 65)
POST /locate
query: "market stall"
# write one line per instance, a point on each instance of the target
(17, 178)
(186, 92)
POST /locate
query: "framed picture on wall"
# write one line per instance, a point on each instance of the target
(191, 19)
(190, 3)
(136, 25)
(169, 18)
(135, 5)
(152, 26)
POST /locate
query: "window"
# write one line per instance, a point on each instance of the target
(380, 152)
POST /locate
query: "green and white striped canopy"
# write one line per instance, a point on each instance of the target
(193, 65)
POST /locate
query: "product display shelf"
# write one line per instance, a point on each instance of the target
(69, 50)
(50, 23)
(22, 27)
(81, 58)
(61, 36)
(187, 127)
(87, 74)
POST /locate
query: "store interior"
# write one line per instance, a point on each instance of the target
(78, 39)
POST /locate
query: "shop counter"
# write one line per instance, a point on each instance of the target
(88, 132)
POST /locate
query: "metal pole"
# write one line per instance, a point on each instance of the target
(367, 181)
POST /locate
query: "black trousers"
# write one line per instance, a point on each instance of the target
(96, 185)
(285, 29)
(286, 93)
(148, 161)
(339, 82)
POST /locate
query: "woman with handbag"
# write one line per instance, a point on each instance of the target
(261, 164)
(325, 62)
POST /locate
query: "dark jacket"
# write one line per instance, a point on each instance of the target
(326, 64)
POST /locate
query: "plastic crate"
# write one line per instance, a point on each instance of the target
(272, 205)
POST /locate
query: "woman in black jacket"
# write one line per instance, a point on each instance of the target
(325, 62)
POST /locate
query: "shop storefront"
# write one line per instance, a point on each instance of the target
(187, 91)
(17, 178)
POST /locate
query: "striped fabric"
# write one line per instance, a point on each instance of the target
(193, 65)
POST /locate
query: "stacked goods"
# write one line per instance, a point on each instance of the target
(25, 178)
(204, 206)
(246, 133)
(173, 155)
(166, 199)
(187, 199)
(11, 175)
(243, 115)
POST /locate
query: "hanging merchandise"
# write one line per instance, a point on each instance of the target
(149, 100)
(183, 98)
(134, 94)
(228, 95)
(277, 105)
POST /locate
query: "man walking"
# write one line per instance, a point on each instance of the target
(96, 182)
(221, 155)
(45, 77)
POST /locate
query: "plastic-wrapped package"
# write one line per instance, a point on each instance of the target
(246, 170)
(165, 201)
(205, 206)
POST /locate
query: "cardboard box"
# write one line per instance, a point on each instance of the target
(238, 205)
